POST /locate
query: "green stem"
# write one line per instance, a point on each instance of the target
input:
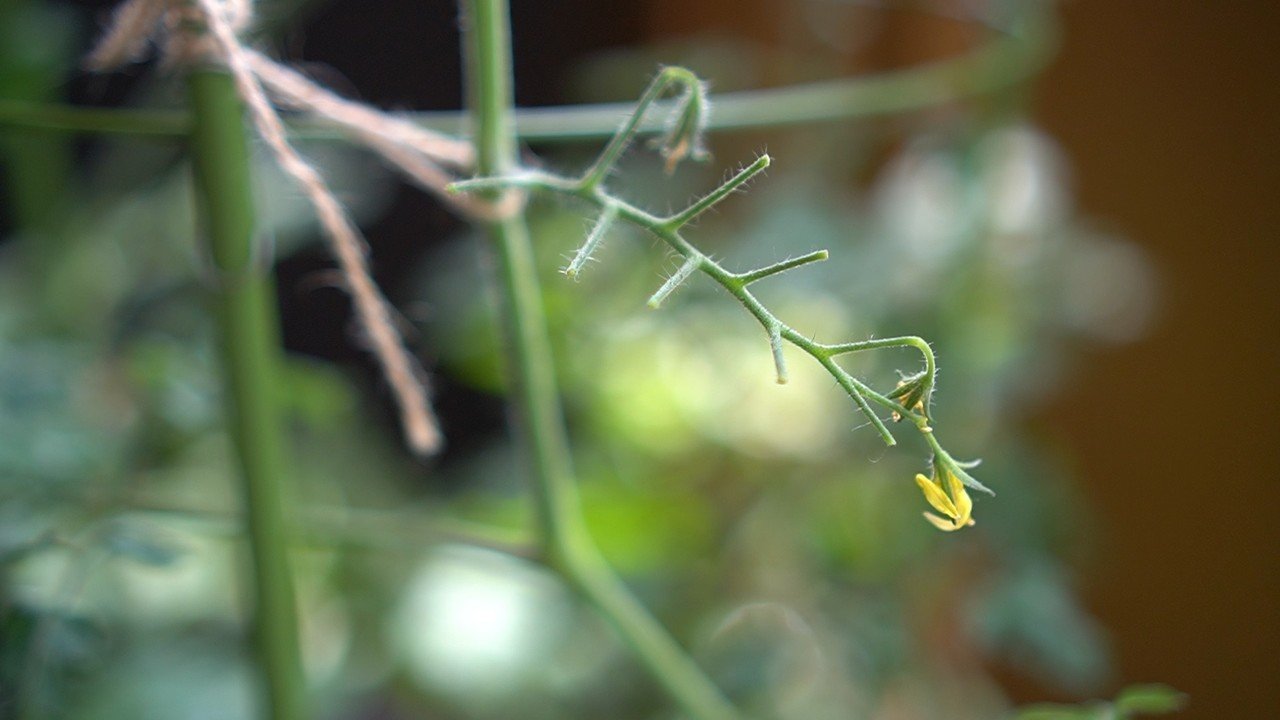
(538, 412)
(783, 266)
(623, 137)
(712, 198)
(734, 283)
(566, 544)
(250, 344)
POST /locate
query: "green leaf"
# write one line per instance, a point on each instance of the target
(1151, 699)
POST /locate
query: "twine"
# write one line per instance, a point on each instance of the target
(188, 31)
(420, 154)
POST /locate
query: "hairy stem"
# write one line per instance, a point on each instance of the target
(899, 403)
(567, 547)
(250, 343)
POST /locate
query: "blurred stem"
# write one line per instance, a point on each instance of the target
(566, 545)
(1007, 60)
(250, 343)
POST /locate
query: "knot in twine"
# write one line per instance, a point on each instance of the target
(177, 27)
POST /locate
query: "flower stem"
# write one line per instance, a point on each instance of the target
(249, 339)
(567, 547)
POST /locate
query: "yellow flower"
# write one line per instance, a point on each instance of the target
(954, 502)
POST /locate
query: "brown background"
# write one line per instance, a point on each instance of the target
(1168, 112)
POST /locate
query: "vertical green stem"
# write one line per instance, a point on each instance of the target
(566, 545)
(538, 411)
(250, 342)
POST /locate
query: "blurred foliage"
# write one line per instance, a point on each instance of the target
(781, 543)
(1131, 702)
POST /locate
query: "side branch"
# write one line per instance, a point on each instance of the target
(781, 267)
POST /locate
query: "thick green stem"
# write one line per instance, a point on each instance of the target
(250, 342)
(567, 547)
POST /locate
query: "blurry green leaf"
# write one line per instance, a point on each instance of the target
(646, 530)
(1032, 618)
(317, 394)
(40, 650)
(188, 678)
(1149, 699)
(140, 544)
(52, 430)
(14, 550)
(1133, 700)
(178, 380)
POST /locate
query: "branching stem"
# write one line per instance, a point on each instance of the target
(736, 284)
(911, 403)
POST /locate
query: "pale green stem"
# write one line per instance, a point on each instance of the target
(714, 197)
(250, 344)
(1006, 61)
(775, 346)
(594, 238)
(783, 266)
(689, 267)
(568, 548)
(736, 285)
(623, 137)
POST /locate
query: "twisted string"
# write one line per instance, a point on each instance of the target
(189, 31)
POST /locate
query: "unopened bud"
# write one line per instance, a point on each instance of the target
(685, 129)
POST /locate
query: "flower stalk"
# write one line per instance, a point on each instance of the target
(910, 401)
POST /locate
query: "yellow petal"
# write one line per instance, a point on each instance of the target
(944, 525)
(936, 497)
(963, 503)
